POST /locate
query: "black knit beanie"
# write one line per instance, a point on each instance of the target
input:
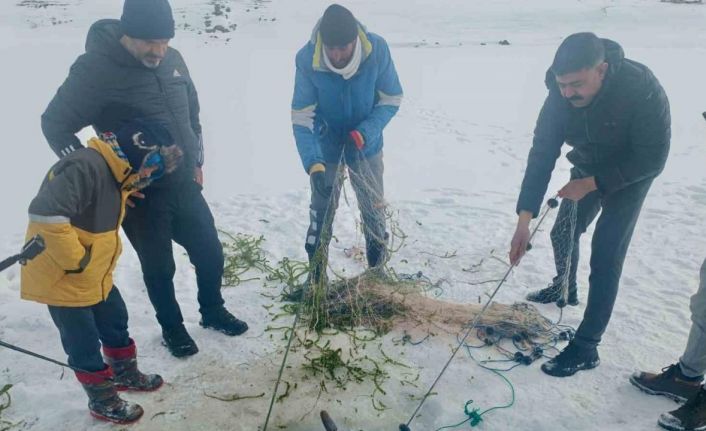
(138, 139)
(147, 19)
(338, 26)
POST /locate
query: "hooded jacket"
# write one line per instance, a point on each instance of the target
(107, 87)
(621, 138)
(326, 107)
(78, 212)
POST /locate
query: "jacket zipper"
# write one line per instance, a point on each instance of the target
(165, 100)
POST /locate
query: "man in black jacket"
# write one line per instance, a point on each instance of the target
(614, 114)
(129, 71)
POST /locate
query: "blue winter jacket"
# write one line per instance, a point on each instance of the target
(326, 107)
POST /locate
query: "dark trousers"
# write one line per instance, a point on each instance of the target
(181, 214)
(611, 238)
(367, 181)
(83, 329)
(566, 235)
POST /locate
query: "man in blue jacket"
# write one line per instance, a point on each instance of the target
(346, 91)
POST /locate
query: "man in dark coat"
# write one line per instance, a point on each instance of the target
(614, 114)
(128, 71)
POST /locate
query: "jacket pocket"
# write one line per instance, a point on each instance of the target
(40, 274)
(85, 261)
(99, 257)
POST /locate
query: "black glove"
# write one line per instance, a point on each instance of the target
(349, 143)
(318, 184)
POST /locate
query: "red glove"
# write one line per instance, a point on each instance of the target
(357, 139)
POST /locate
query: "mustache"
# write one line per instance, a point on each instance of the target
(575, 98)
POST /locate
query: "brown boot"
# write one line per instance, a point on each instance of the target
(103, 400)
(123, 361)
(689, 417)
(670, 383)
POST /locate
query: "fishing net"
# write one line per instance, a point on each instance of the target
(380, 299)
(381, 302)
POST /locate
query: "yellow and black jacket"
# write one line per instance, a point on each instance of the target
(78, 212)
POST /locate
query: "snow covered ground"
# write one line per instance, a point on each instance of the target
(455, 156)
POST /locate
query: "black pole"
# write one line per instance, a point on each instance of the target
(551, 204)
(53, 361)
(329, 425)
(33, 248)
(9, 262)
(328, 222)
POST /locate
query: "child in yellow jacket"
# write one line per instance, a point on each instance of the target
(78, 212)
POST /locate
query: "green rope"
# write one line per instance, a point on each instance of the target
(475, 416)
(407, 339)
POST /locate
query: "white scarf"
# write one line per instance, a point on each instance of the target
(351, 68)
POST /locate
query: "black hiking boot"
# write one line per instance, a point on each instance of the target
(317, 276)
(294, 294)
(670, 383)
(552, 293)
(317, 272)
(103, 400)
(689, 417)
(123, 361)
(179, 342)
(221, 320)
(572, 359)
(376, 254)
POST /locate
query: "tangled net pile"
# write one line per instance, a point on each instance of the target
(380, 302)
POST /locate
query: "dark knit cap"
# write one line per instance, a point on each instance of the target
(138, 139)
(338, 26)
(147, 19)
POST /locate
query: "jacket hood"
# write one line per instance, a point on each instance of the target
(103, 40)
(120, 168)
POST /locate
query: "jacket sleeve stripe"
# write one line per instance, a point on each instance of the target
(304, 117)
(389, 99)
(48, 219)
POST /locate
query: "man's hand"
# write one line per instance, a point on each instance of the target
(198, 176)
(520, 240)
(355, 139)
(137, 195)
(575, 190)
(318, 184)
